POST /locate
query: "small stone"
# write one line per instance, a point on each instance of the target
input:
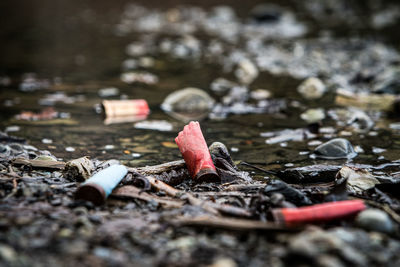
(260, 94)
(338, 148)
(375, 220)
(69, 149)
(109, 147)
(312, 88)
(13, 128)
(222, 85)
(47, 141)
(246, 71)
(266, 13)
(313, 115)
(7, 253)
(188, 104)
(223, 262)
(378, 150)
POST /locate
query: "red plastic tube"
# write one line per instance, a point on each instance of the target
(117, 108)
(318, 213)
(195, 152)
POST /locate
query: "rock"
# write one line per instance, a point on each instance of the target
(375, 220)
(246, 71)
(260, 94)
(188, 104)
(8, 254)
(315, 243)
(312, 88)
(266, 13)
(358, 180)
(388, 82)
(222, 85)
(313, 115)
(338, 148)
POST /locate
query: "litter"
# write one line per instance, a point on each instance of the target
(97, 188)
(194, 150)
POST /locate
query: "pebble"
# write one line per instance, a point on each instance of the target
(47, 141)
(109, 147)
(377, 150)
(222, 85)
(312, 88)
(7, 253)
(69, 149)
(314, 143)
(13, 128)
(246, 71)
(260, 94)
(313, 115)
(338, 148)
(375, 220)
(266, 13)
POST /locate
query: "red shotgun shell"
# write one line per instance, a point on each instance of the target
(318, 213)
(117, 108)
(195, 152)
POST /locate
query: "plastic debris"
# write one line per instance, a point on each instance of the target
(45, 114)
(79, 169)
(99, 186)
(125, 108)
(195, 152)
(318, 213)
(385, 102)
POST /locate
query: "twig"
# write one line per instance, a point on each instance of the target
(257, 168)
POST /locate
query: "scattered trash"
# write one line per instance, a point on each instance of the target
(385, 102)
(318, 213)
(312, 88)
(158, 125)
(78, 169)
(337, 148)
(98, 187)
(194, 150)
(125, 108)
(45, 114)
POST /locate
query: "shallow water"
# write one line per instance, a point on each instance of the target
(75, 45)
